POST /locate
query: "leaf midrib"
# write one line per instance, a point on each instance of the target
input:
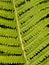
(19, 33)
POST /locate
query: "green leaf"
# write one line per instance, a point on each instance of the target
(24, 32)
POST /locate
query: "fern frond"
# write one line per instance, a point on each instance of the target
(24, 32)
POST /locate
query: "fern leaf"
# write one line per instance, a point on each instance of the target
(24, 32)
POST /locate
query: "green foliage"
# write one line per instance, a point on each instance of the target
(24, 32)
